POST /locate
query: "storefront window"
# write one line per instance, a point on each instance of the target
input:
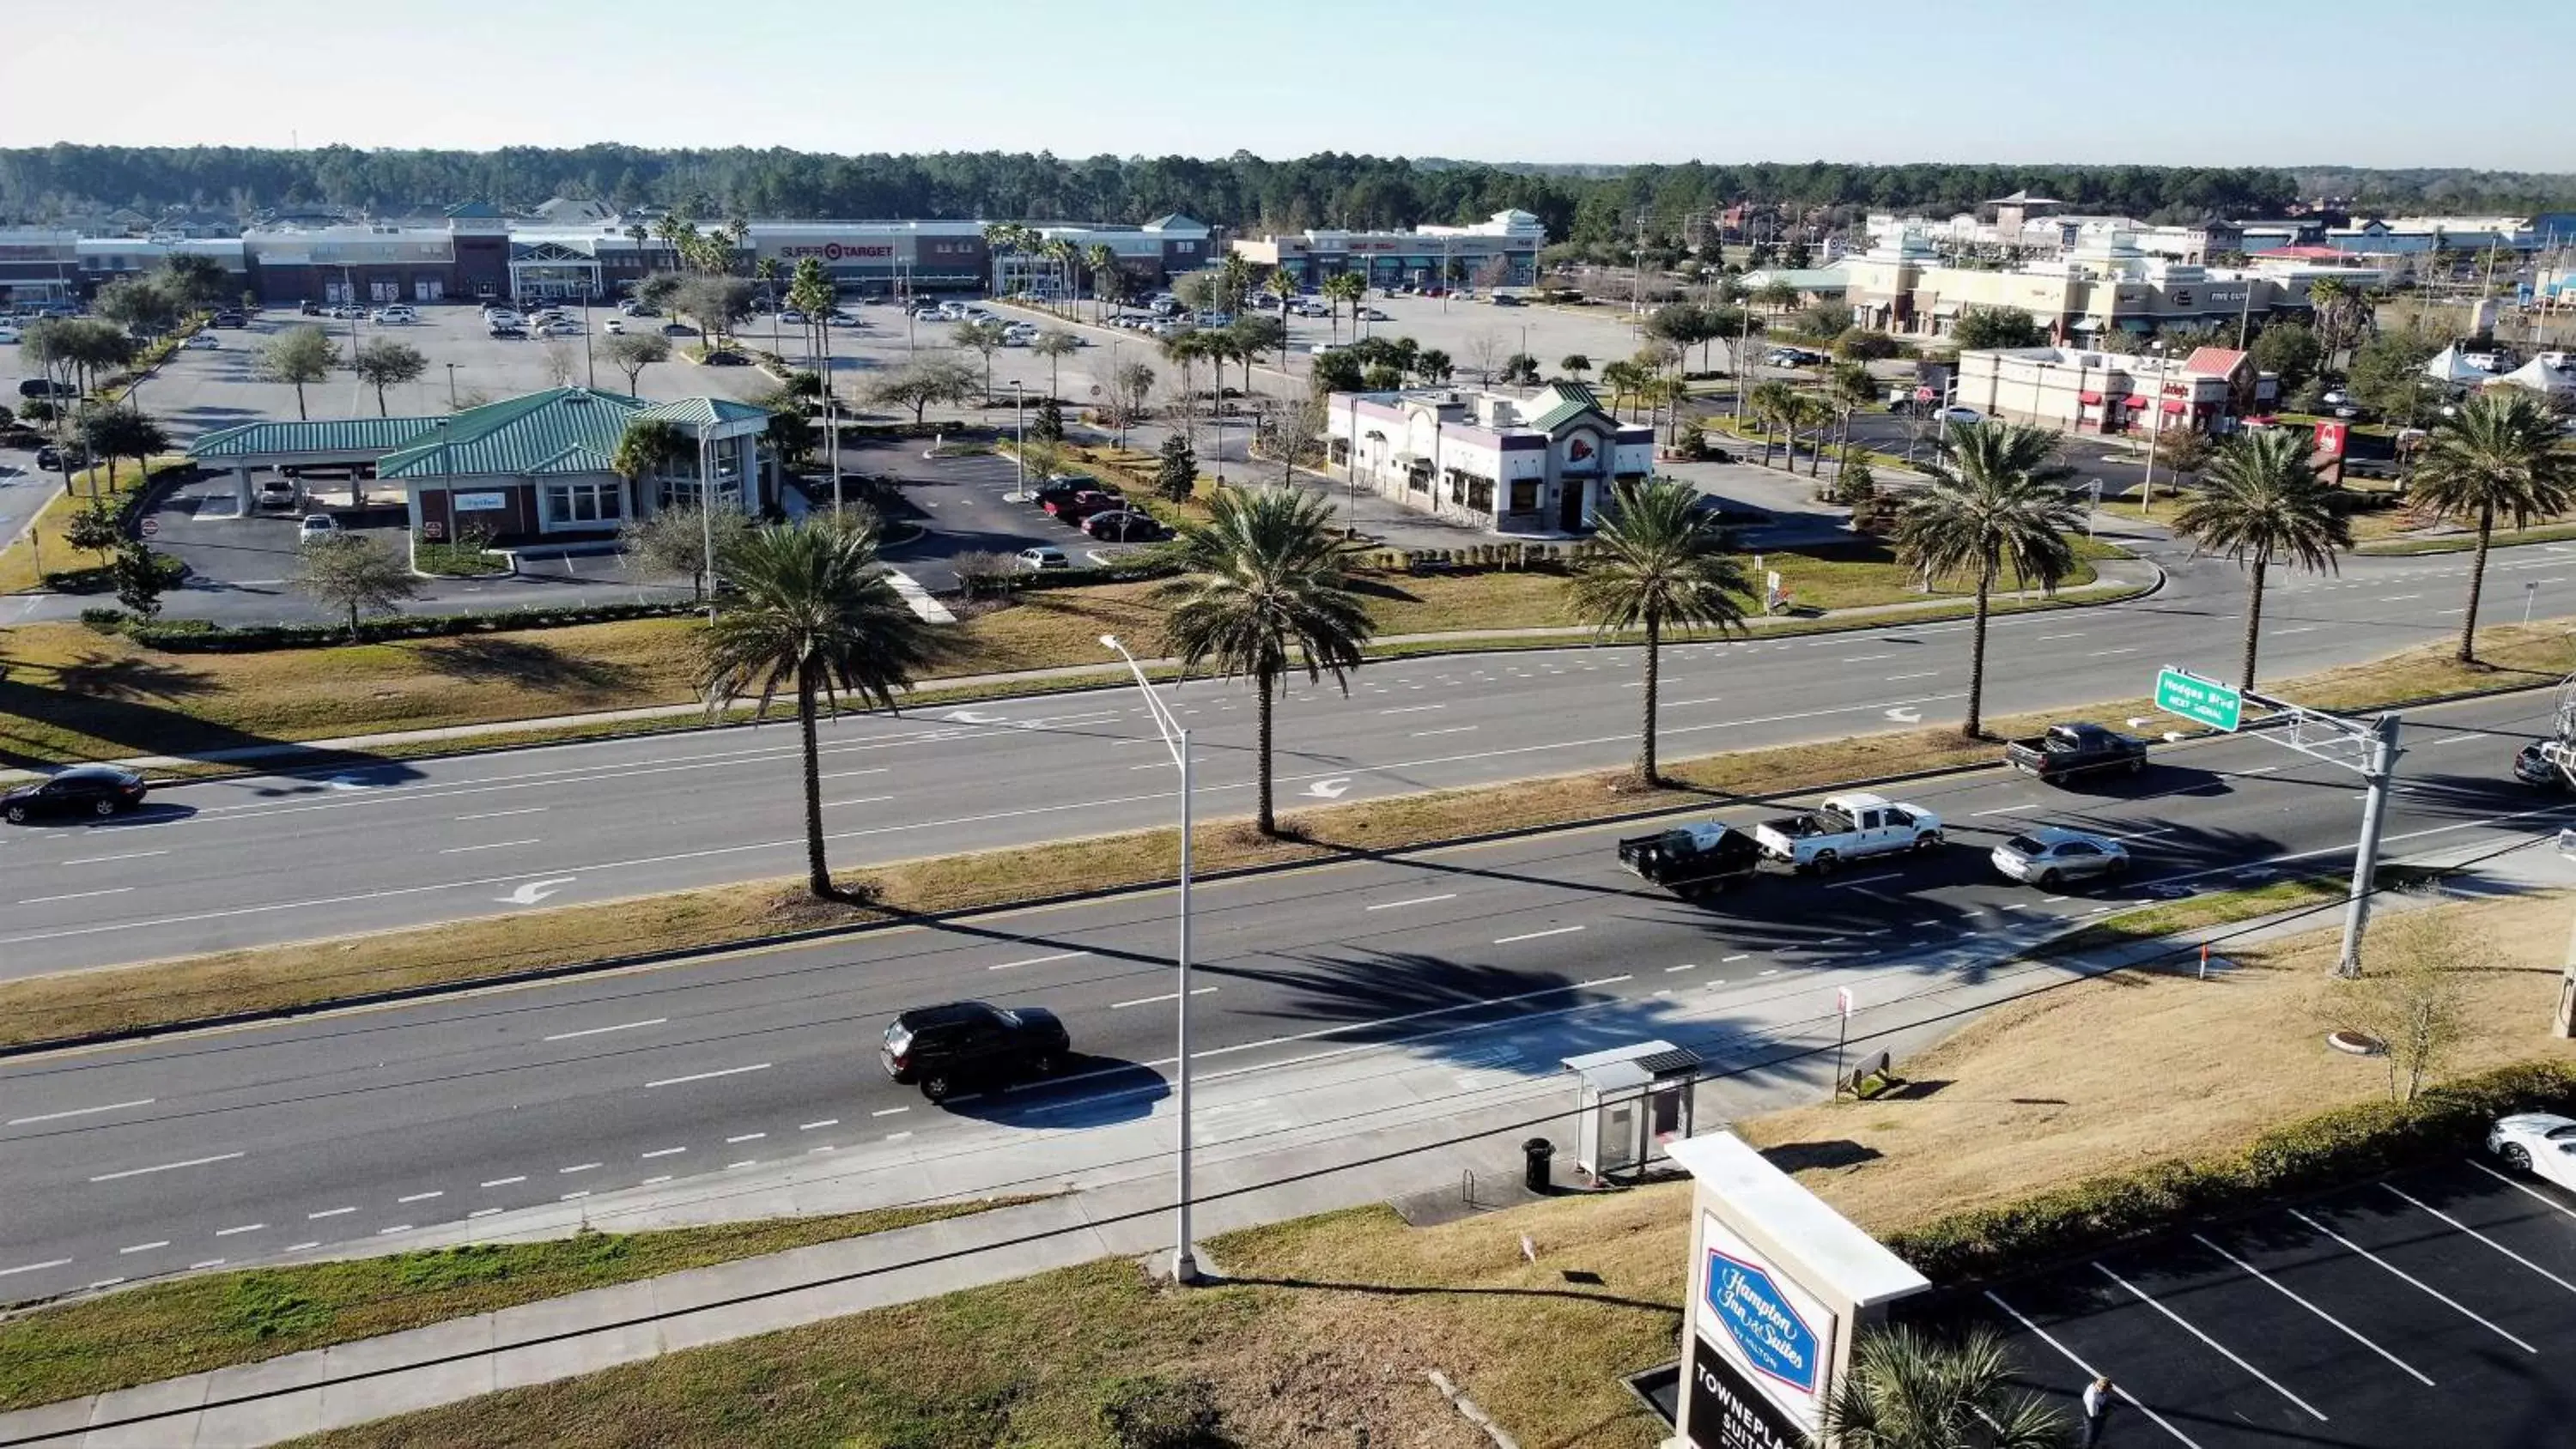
(575, 505)
(1525, 495)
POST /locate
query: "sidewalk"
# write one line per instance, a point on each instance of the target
(2115, 578)
(1401, 1114)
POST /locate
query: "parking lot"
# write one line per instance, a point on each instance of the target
(2436, 1308)
(963, 506)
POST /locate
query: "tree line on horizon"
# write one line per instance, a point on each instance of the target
(1240, 191)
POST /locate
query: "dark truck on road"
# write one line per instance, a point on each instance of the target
(1692, 858)
(2068, 750)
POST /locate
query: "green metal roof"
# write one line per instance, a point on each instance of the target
(1573, 400)
(703, 412)
(323, 435)
(561, 430)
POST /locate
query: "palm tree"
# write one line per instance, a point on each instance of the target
(1851, 389)
(1104, 269)
(1994, 500)
(647, 447)
(1262, 592)
(2262, 500)
(1234, 275)
(817, 615)
(1574, 365)
(2342, 313)
(1283, 286)
(1816, 413)
(1625, 380)
(2501, 455)
(1907, 1390)
(640, 234)
(1186, 349)
(1340, 288)
(1658, 559)
(1772, 404)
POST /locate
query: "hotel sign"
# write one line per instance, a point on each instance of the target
(1779, 1334)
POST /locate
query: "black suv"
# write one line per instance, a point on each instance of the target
(948, 1048)
(81, 790)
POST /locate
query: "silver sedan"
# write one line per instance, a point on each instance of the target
(2045, 855)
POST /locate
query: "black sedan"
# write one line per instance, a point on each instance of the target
(1118, 525)
(950, 1048)
(99, 790)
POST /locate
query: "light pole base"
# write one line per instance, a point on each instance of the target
(1185, 1270)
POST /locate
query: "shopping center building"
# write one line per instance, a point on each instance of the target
(1501, 251)
(1539, 462)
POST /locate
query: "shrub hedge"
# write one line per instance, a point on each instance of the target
(2341, 1145)
(198, 636)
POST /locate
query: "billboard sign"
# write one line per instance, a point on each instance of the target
(2330, 440)
(1762, 1320)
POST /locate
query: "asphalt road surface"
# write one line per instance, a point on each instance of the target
(364, 1127)
(269, 858)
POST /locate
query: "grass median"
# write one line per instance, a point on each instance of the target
(1326, 1327)
(210, 1320)
(284, 977)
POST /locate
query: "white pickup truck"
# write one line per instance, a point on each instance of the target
(1846, 828)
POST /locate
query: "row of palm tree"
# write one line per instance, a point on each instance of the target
(1263, 587)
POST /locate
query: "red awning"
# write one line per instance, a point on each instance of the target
(2088, 397)
(2176, 405)
(2135, 402)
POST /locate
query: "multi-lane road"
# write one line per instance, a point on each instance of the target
(379, 1127)
(268, 858)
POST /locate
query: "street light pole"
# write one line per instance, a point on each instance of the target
(2365, 862)
(451, 387)
(1019, 448)
(1185, 1263)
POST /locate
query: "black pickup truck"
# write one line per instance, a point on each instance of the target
(2068, 750)
(1692, 858)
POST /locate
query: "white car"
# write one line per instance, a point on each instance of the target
(203, 339)
(1959, 415)
(559, 327)
(11, 334)
(2540, 1143)
(395, 316)
(317, 525)
(1846, 828)
(615, 326)
(791, 316)
(1044, 556)
(279, 493)
(2044, 855)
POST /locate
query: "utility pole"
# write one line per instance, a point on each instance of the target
(707, 520)
(451, 387)
(2365, 862)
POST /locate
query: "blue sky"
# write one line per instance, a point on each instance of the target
(2360, 82)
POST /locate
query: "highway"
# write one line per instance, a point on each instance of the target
(376, 1127)
(278, 857)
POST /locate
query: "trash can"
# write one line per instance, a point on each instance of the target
(1534, 1158)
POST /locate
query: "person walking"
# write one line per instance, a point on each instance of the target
(2097, 1407)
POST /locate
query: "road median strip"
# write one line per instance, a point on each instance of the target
(91, 1006)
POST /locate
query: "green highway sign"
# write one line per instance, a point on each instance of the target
(2195, 698)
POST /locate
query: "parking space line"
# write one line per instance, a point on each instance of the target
(2268, 1281)
(2187, 1326)
(2454, 1304)
(2088, 1370)
(2483, 1238)
(2524, 1188)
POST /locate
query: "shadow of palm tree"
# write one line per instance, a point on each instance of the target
(130, 677)
(527, 663)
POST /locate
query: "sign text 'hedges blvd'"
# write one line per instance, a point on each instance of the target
(1757, 1316)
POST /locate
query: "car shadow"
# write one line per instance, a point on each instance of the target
(1088, 1091)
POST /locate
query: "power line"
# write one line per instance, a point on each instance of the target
(1089, 1225)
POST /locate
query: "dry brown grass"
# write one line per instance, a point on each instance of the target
(2124, 1070)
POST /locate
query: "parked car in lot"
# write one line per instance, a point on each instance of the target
(81, 790)
(1119, 525)
(2046, 855)
(2540, 1143)
(11, 335)
(396, 316)
(614, 326)
(559, 327)
(678, 329)
(46, 387)
(53, 457)
(231, 317)
(506, 329)
(791, 316)
(2064, 751)
(1372, 314)
(317, 525)
(279, 493)
(1959, 415)
(1691, 859)
(947, 1049)
(1073, 508)
(202, 339)
(1846, 828)
(1505, 299)
(1043, 557)
(308, 309)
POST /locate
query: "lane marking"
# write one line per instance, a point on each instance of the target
(603, 1030)
(2088, 1370)
(2044, 638)
(244, 1228)
(1731, 960)
(1864, 658)
(708, 1076)
(1451, 730)
(2398, 598)
(208, 1263)
(1866, 880)
(662, 1152)
(418, 1197)
(854, 774)
(1415, 901)
(165, 1167)
(1166, 996)
(35, 1267)
(2266, 1280)
(1926, 674)
(495, 845)
(2454, 740)
(576, 1167)
(483, 1213)
(1535, 935)
(2483, 1238)
(300, 1247)
(574, 1196)
(897, 1136)
(745, 1137)
(889, 1111)
(2523, 1188)
(504, 814)
(648, 1182)
(862, 800)
(80, 1112)
(1035, 960)
(329, 1213)
(817, 1126)
(74, 896)
(506, 1181)
(145, 1247)
(2429, 1290)
(104, 859)
(396, 1228)
(1412, 708)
